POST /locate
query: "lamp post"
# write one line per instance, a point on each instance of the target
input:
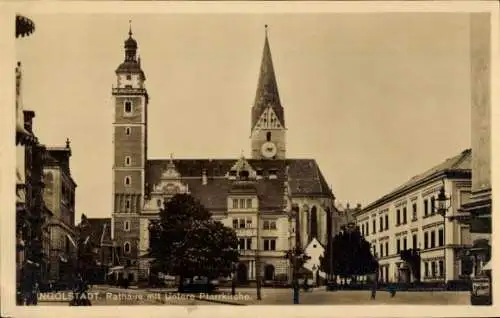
(443, 204)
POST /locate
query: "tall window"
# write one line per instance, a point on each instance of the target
(398, 246)
(404, 215)
(381, 224)
(386, 248)
(414, 242)
(127, 131)
(249, 203)
(128, 160)
(398, 217)
(242, 223)
(426, 269)
(268, 136)
(433, 269)
(441, 237)
(235, 203)
(126, 226)
(374, 226)
(404, 244)
(433, 239)
(387, 221)
(314, 222)
(363, 229)
(381, 250)
(441, 268)
(426, 240)
(126, 247)
(127, 204)
(433, 205)
(242, 203)
(426, 207)
(128, 107)
(414, 212)
(249, 243)
(128, 181)
(269, 245)
(241, 243)
(235, 223)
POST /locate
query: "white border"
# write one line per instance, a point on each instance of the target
(7, 151)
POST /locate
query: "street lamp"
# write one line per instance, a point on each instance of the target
(443, 204)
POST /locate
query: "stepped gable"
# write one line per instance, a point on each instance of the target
(306, 180)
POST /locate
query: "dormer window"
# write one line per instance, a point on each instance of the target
(232, 174)
(244, 174)
(259, 172)
(128, 107)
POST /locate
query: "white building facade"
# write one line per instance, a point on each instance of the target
(406, 220)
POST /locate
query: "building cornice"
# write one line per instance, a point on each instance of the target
(445, 174)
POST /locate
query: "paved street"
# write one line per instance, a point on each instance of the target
(112, 296)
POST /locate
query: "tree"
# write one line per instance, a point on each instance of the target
(187, 242)
(350, 255)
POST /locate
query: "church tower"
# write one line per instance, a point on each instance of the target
(130, 99)
(268, 119)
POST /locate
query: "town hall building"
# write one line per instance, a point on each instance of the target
(252, 195)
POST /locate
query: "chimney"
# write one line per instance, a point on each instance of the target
(358, 206)
(347, 206)
(204, 179)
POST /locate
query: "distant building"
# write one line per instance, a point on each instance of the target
(315, 250)
(59, 198)
(240, 192)
(346, 214)
(406, 219)
(96, 233)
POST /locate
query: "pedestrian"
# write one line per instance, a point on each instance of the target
(391, 288)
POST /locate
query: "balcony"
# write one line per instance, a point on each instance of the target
(128, 91)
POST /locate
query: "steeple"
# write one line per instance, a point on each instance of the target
(130, 46)
(267, 88)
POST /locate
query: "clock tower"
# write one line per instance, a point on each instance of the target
(268, 119)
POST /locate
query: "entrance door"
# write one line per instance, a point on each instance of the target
(269, 272)
(242, 273)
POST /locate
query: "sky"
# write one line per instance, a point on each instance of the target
(375, 98)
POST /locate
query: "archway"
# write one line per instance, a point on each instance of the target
(242, 273)
(269, 272)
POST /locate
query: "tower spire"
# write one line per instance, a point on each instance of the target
(267, 88)
(130, 28)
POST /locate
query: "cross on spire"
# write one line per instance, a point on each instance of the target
(130, 28)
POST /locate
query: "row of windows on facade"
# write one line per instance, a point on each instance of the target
(246, 244)
(401, 243)
(401, 217)
(246, 223)
(432, 269)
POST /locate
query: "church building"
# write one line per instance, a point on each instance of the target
(252, 195)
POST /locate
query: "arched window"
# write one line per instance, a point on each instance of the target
(268, 136)
(126, 247)
(314, 222)
(128, 107)
(244, 174)
(126, 226)
(128, 181)
(127, 131)
(128, 160)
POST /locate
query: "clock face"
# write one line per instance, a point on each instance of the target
(268, 149)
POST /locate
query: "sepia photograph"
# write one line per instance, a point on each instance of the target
(251, 158)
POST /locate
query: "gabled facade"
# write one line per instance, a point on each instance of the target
(59, 197)
(252, 195)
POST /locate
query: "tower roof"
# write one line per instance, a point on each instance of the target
(267, 88)
(131, 64)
